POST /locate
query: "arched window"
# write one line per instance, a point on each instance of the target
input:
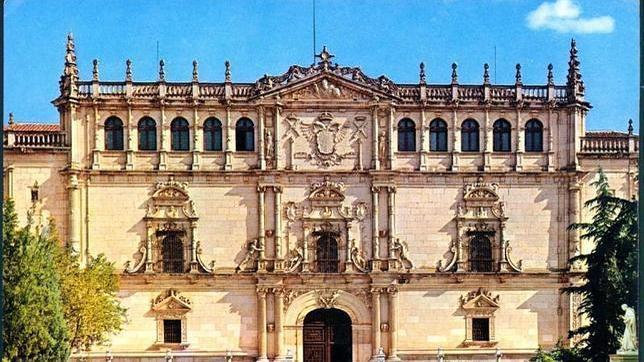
(327, 254)
(480, 254)
(212, 135)
(245, 135)
(172, 254)
(470, 136)
(180, 130)
(113, 134)
(501, 131)
(438, 135)
(406, 135)
(147, 134)
(534, 136)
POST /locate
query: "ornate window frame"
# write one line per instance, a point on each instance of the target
(479, 304)
(171, 305)
(480, 212)
(170, 210)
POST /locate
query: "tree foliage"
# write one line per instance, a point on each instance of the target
(34, 325)
(611, 276)
(53, 305)
(559, 353)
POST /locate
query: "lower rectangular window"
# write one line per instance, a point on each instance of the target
(480, 329)
(172, 331)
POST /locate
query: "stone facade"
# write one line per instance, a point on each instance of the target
(329, 153)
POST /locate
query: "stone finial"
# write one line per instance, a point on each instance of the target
(423, 77)
(486, 74)
(195, 72)
(95, 69)
(574, 74)
(227, 73)
(161, 71)
(11, 121)
(128, 70)
(70, 57)
(630, 125)
(454, 73)
(518, 78)
(551, 78)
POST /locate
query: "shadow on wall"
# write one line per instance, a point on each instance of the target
(546, 304)
(556, 236)
(251, 204)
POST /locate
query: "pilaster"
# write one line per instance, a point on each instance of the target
(392, 293)
(261, 324)
(375, 149)
(261, 228)
(277, 190)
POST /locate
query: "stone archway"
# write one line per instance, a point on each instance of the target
(354, 307)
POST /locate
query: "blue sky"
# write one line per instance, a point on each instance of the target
(382, 37)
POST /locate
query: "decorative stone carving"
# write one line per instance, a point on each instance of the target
(400, 249)
(139, 265)
(268, 145)
(324, 135)
(327, 191)
(294, 259)
(290, 295)
(358, 259)
(327, 299)
(480, 300)
(294, 127)
(359, 129)
(171, 302)
(252, 254)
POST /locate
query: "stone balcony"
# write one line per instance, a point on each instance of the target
(34, 136)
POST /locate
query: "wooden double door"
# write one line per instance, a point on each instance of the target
(327, 336)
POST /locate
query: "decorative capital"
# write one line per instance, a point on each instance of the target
(128, 71)
(517, 76)
(486, 74)
(195, 74)
(423, 78)
(454, 73)
(551, 78)
(95, 69)
(161, 70)
(227, 72)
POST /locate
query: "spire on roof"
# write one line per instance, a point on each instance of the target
(227, 72)
(69, 78)
(423, 77)
(195, 72)
(575, 83)
(518, 78)
(454, 73)
(95, 69)
(551, 78)
(486, 73)
(128, 70)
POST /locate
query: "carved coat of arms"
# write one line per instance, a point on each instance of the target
(325, 134)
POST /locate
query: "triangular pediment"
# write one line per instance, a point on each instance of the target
(480, 300)
(171, 301)
(328, 87)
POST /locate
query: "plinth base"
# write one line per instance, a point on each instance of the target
(631, 357)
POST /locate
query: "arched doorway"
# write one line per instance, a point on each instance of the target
(327, 336)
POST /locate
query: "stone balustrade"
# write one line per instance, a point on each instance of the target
(609, 143)
(33, 139)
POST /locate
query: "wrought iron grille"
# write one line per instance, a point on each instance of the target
(171, 331)
(172, 254)
(481, 254)
(480, 329)
(327, 254)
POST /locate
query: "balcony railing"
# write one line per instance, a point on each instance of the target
(609, 143)
(42, 139)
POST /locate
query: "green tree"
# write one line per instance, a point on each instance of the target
(92, 310)
(559, 353)
(34, 325)
(611, 276)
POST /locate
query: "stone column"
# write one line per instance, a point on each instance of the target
(9, 181)
(375, 321)
(99, 142)
(390, 130)
(456, 140)
(74, 234)
(551, 148)
(276, 138)
(305, 248)
(230, 139)
(260, 137)
(197, 143)
(163, 144)
(261, 232)
(574, 242)
(487, 142)
(129, 143)
(149, 264)
(423, 146)
(261, 324)
(375, 237)
(392, 292)
(277, 190)
(193, 248)
(375, 159)
(519, 145)
(391, 210)
(278, 303)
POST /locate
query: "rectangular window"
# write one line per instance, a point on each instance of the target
(171, 331)
(480, 329)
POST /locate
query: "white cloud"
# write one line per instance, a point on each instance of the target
(564, 16)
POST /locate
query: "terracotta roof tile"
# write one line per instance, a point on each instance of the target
(33, 127)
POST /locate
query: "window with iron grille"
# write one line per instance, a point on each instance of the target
(327, 254)
(172, 254)
(480, 254)
(480, 329)
(171, 331)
